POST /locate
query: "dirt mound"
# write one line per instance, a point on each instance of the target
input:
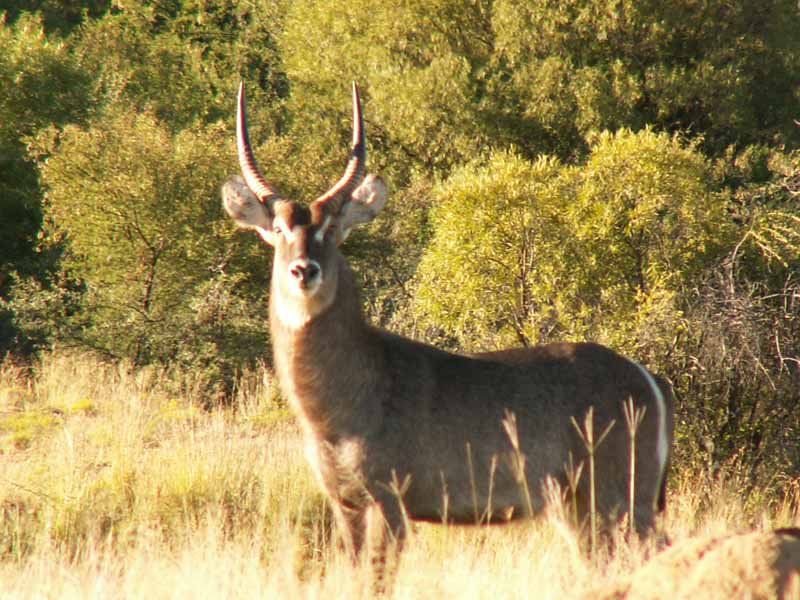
(753, 565)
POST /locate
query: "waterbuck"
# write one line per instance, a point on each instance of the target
(395, 428)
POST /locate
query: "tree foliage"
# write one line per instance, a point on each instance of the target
(611, 170)
(448, 78)
(139, 208)
(543, 250)
(721, 69)
(183, 60)
(41, 83)
(60, 16)
(650, 225)
(500, 251)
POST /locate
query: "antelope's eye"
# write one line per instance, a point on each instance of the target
(276, 230)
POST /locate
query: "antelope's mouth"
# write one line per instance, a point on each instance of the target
(305, 275)
(308, 288)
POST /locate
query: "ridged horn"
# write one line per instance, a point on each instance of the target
(247, 160)
(339, 194)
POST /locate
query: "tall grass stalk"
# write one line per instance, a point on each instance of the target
(573, 473)
(445, 500)
(472, 485)
(518, 460)
(633, 419)
(492, 471)
(587, 437)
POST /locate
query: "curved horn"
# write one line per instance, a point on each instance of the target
(337, 196)
(247, 161)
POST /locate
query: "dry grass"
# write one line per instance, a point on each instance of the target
(113, 484)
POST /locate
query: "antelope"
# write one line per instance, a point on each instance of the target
(395, 429)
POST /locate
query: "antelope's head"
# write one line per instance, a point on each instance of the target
(305, 237)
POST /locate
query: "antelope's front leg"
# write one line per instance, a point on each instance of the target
(385, 536)
(351, 528)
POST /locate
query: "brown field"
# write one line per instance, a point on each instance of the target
(114, 484)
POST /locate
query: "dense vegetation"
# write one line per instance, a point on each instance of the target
(626, 172)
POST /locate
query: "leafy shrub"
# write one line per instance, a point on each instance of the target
(534, 251)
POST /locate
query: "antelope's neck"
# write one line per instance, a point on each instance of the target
(329, 367)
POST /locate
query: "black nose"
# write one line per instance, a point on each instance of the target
(304, 271)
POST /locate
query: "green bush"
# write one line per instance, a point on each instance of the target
(140, 208)
(500, 253)
(534, 251)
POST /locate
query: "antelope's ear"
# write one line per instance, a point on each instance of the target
(244, 207)
(366, 203)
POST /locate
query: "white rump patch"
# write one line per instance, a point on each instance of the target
(662, 448)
